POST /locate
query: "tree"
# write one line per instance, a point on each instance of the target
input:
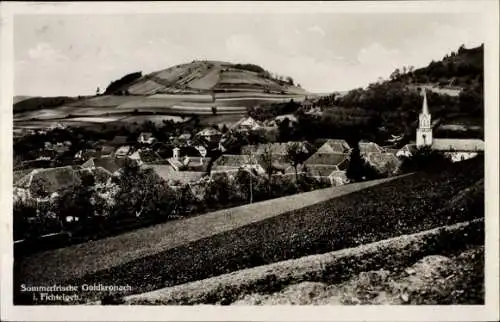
(214, 110)
(355, 169)
(289, 80)
(295, 155)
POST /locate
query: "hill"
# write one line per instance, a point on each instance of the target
(455, 93)
(202, 77)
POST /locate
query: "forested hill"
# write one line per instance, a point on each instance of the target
(455, 90)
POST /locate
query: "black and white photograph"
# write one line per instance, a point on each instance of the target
(243, 155)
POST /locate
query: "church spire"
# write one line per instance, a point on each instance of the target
(425, 109)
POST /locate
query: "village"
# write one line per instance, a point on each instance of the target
(194, 162)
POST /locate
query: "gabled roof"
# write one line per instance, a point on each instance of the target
(169, 174)
(411, 148)
(123, 150)
(462, 145)
(380, 160)
(146, 135)
(120, 140)
(110, 164)
(247, 122)
(231, 160)
(52, 179)
(326, 159)
(321, 170)
(334, 146)
(209, 131)
(369, 147)
(276, 148)
(194, 163)
(107, 149)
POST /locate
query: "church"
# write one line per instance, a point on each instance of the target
(455, 149)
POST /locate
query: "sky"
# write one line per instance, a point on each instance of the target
(74, 54)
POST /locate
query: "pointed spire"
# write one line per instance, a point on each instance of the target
(425, 108)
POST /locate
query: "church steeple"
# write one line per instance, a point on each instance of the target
(425, 109)
(424, 131)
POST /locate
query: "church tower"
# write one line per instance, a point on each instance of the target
(424, 131)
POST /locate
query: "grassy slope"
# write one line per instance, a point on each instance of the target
(114, 251)
(259, 283)
(403, 206)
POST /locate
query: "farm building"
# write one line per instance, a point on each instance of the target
(186, 162)
(386, 163)
(277, 148)
(210, 135)
(146, 138)
(407, 151)
(334, 146)
(45, 182)
(119, 140)
(231, 163)
(369, 147)
(144, 156)
(107, 151)
(175, 178)
(247, 124)
(112, 165)
(123, 151)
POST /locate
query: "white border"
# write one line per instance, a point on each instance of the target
(490, 311)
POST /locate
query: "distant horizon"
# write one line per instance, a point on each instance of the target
(57, 55)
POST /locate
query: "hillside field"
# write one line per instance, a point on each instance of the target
(404, 206)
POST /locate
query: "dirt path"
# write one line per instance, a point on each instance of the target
(79, 260)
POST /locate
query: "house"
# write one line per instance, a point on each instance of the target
(119, 140)
(369, 147)
(122, 151)
(146, 138)
(41, 183)
(107, 151)
(455, 149)
(210, 134)
(247, 124)
(186, 161)
(334, 146)
(86, 154)
(232, 163)
(112, 165)
(326, 166)
(174, 177)
(277, 148)
(386, 163)
(407, 151)
(144, 156)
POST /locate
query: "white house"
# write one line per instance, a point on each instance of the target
(146, 138)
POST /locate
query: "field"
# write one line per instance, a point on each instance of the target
(354, 268)
(404, 206)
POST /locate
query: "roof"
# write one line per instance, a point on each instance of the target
(277, 148)
(52, 179)
(334, 146)
(209, 131)
(412, 148)
(149, 156)
(107, 149)
(146, 135)
(247, 122)
(381, 159)
(369, 147)
(321, 170)
(100, 174)
(110, 164)
(290, 117)
(462, 145)
(194, 164)
(123, 150)
(231, 161)
(326, 159)
(168, 173)
(119, 139)
(19, 174)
